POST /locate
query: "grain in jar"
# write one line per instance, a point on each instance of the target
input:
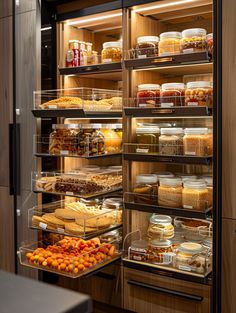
(145, 189)
(160, 252)
(160, 227)
(170, 192)
(169, 43)
(209, 183)
(147, 139)
(193, 40)
(172, 95)
(112, 52)
(199, 93)
(195, 195)
(171, 141)
(197, 142)
(147, 46)
(148, 95)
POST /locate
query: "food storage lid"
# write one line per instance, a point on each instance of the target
(91, 126)
(171, 86)
(209, 36)
(148, 130)
(113, 203)
(117, 168)
(111, 126)
(195, 184)
(194, 32)
(163, 175)
(208, 180)
(146, 179)
(171, 182)
(112, 44)
(148, 87)
(196, 131)
(167, 35)
(190, 247)
(161, 243)
(139, 244)
(160, 219)
(172, 131)
(73, 40)
(199, 84)
(185, 177)
(144, 39)
(66, 126)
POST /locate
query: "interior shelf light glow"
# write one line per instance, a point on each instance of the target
(93, 19)
(164, 5)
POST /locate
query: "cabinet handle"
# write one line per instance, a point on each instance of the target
(163, 60)
(170, 292)
(14, 159)
(163, 111)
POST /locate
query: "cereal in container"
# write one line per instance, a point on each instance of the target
(195, 195)
(197, 142)
(170, 192)
(169, 43)
(171, 141)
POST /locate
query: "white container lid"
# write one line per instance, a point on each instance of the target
(164, 175)
(196, 131)
(172, 131)
(91, 126)
(195, 184)
(170, 86)
(161, 243)
(166, 35)
(112, 44)
(210, 36)
(172, 182)
(111, 126)
(194, 32)
(146, 179)
(73, 40)
(115, 167)
(199, 84)
(148, 130)
(186, 177)
(208, 180)
(190, 247)
(149, 87)
(66, 126)
(160, 219)
(144, 39)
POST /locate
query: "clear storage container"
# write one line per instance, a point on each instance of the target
(199, 93)
(112, 52)
(138, 251)
(112, 137)
(171, 141)
(147, 46)
(195, 195)
(172, 94)
(209, 183)
(193, 40)
(146, 189)
(169, 43)
(147, 139)
(197, 142)
(160, 227)
(148, 95)
(170, 192)
(210, 45)
(160, 252)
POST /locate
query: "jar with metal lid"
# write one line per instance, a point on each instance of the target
(197, 142)
(145, 189)
(160, 227)
(169, 43)
(63, 140)
(112, 51)
(147, 139)
(171, 141)
(147, 46)
(138, 251)
(172, 95)
(209, 183)
(112, 139)
(148, 95)
(187, 258)
(160, 252)
(195, 195)
(210, 45)
(170, 192)
(193, 40)
(199, 93)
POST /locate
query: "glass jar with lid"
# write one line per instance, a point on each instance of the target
(209, 38)
(209, 183)
(83, 54)
(170, 192)
(195, 195)
(160, 252)
(169, 43)
(197, 142)
(147, 139)
(138, 251)
(187, 258)
(112, 139)
(171, 141)
(94, 57)
(160, 227)
(112, 51)
(113, 203)
(145, 189)
(199, 93)
(148, 95)
(147, 46)
(172, 95)
(193, 40)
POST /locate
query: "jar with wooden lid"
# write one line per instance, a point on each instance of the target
(172, 95)
(148, 95)
(170, 192)
(147, 46)
(195, 195)
(193, 40)
(112, 51)
(199, 93)
(171, 141)
(169, 43)
(197, 142)
(145, 189)
(160, 227)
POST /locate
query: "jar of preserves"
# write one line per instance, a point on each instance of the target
(210, 46)
(199, 93)
(171, 141)
(209, 183)
(160, 252)
(112, 140)
(187, 256)
(170, 192)
(148, 95)
(195, 195)
(91, 141)
(169, 43)
(147, 139)
(197, 142)
(147, 46)
(138, 251)
(193, 40)
(112, 52)
(172, 94)
(146, 189)
(160, 227)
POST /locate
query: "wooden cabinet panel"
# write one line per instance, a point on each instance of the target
(26, 5)
(5, 9)
(147, 293)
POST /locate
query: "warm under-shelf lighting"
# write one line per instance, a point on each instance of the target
(94, 19)
(46, 28)
(164, 5)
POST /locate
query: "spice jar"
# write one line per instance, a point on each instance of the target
(209, 183)
(197, 142)
(195, 195)
(170, 192)
(147, 139)
(148, 95)
(193, 40)
(138, 250)
(187, 256)
(91, 140)
(160, 227)
(146, 189)
(111, 52)
(172, 94)
(169, 43)
(171, 141)
(160, 252)
(147, 46)
(199, 93)
(210, 43)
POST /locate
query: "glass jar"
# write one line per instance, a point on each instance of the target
(187, 256)
(195, 195)
(83, 54)
(197, 142)
(146, 189)
(171, 141)
(172, 95)
(170, 192)
(193, 40)
(112, 51)
(147, 139)
(147, 46)
(210, 45)
(209, 183)
(91, 141)
(138, 251)
(112, 140)
(148, 95)
(169, 43)
(113, 203)
(95, 57)
(199, 93)
(160, 227)
(160, 252)
(73, 54)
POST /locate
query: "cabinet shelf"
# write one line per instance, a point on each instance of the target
(91, 69)
(40, 155)
(76, 113)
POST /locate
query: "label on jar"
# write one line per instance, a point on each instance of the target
(142, 56)
(167, 105)
(142, 105)
(190, 50)
(64, 152)
(52, 106)
(167, 258)
(137, 257)
(140, 150)
(190, 153)
(70, 193)
(192, 104)
(106, 60)
(185, 268)
(60, 230)
(187, 206)
(43, 225)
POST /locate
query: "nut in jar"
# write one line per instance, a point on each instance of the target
(160, 252)
(193, 40)
(199, 93)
